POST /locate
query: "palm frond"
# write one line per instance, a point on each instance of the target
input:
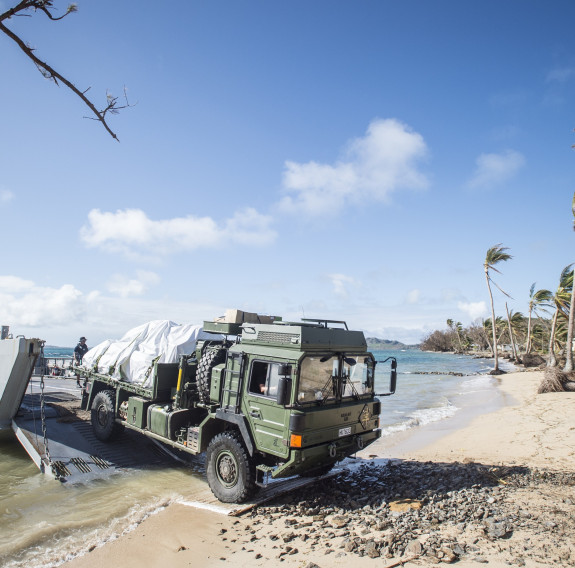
(495, 255)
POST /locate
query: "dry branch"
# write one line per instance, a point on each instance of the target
(47, 70)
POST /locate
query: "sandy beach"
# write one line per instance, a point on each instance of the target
(526, 449)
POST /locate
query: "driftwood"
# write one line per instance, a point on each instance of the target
(555, 380)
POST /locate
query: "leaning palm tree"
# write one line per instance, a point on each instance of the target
(569, 347)
(457, 328)
(515, 322)
(487, 331)
(494, 255)
(561, 299)
(537, 299)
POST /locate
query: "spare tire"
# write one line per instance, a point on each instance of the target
(212, 356)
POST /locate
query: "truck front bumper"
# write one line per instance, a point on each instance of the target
(306, 459)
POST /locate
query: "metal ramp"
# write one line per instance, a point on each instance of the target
(76, 454)
(205, 499)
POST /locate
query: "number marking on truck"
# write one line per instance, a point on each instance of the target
(345, 431)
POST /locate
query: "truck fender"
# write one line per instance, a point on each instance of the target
(95, 388)
(238, 420)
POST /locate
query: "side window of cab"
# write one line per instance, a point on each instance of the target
(264, 378)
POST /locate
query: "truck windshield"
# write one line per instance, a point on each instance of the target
(325, 378)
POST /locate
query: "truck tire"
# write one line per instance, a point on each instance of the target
(209, 360)
(230, 471)
(103, 416)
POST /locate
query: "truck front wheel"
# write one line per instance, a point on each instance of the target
(230, 471)
(104, 416)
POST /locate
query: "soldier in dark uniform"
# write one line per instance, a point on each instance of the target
(79, 352)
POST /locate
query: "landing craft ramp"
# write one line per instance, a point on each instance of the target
(75, 453)
(79, 457)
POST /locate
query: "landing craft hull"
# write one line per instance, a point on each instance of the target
(17, 359)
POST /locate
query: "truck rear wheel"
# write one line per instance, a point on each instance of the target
(103, 416)
(230, 471)
(209, 360)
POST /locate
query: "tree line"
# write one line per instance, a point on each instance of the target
(546, 330)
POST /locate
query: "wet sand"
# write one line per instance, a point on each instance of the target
(537, 431)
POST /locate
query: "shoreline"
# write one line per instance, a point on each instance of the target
(521, 428)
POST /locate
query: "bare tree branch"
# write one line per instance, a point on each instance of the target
(49, 72)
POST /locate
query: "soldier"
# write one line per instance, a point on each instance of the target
(79, 352)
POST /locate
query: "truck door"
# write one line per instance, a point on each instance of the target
(269, 421)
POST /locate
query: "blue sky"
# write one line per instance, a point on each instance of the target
(343, 160)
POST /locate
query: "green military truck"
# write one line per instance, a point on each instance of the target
(277, 399)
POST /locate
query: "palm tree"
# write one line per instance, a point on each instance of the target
(539, 298)
(569, 347)
(494, 255)
(457, 328)
(515, 322)
(561, 300)
(488, 328)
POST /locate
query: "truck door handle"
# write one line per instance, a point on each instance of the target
(255, 414)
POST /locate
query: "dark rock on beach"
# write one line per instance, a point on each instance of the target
(437, 512)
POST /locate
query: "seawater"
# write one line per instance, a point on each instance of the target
(44, 522)
(429, 387)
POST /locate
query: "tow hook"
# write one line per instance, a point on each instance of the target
(332, 450)
(359, 442)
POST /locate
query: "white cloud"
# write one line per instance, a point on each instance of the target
(494, 169)
(131, 231)
(560, 74)
(14, 284)
(340, 283)
(6, 196)
(473, 309)
(125, 287)
(383, 161)
(22, 303)
(413, 296)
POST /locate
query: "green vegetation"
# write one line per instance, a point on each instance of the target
(521, 338)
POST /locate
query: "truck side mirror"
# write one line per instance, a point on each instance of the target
(393, 377)
(284, 369)
(284, 391)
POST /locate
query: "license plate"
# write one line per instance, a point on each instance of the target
(345, 431)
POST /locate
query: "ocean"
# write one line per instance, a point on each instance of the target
(44, 523)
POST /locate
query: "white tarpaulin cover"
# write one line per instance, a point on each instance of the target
(131, 357)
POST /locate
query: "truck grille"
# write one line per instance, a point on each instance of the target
(277, 337)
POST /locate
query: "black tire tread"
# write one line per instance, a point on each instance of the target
(111, 429)
(209, 360)
(232, 441)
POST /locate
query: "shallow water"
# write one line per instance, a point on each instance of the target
(44, 522)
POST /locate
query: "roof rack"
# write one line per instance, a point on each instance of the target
(324, 322)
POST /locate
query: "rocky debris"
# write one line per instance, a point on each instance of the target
(433, 511)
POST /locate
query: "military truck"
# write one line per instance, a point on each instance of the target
(277, 399)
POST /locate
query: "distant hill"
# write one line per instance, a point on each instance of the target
(376, 343)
